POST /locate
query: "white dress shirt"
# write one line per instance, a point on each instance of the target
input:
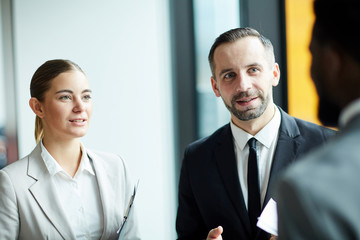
(79, 195)
(265, 148)
(349, 112)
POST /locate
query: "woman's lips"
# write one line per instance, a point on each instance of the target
(78, 122)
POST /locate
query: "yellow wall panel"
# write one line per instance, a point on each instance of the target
(302, 97)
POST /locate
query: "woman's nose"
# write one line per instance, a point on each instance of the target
(79, 105)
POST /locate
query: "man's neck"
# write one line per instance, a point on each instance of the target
(253, 126)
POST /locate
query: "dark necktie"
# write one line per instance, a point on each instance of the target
(254, 206)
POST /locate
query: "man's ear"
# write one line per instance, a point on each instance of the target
(36, 106)
(341, 74)
(332, 62)
(276, 75)
(215, 86)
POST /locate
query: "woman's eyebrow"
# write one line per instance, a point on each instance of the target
(87, 90)
(64, 91)
(69, 91)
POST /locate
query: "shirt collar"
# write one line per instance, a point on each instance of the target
(349, 112)
(265, 136)
(53, 166)
(85, 161)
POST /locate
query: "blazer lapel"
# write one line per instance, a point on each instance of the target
(44, 193)
(286, 150)
(107, 196)
(226, 162)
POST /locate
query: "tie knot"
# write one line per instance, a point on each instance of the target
(252, 143)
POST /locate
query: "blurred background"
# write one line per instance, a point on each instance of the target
(146, 61)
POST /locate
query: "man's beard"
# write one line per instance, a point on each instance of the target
(250, 113)
(328, 112)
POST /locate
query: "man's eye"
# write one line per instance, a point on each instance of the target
(253, 70)
(229, 75)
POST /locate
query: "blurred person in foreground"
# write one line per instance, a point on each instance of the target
(219, 185)
(318, 197)
(62, 190)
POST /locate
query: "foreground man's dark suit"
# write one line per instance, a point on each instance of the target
(324, 202)
(209, 190)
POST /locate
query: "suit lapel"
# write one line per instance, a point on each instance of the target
(107, 196)
(44, 193)
(226, 162)
(286, 150)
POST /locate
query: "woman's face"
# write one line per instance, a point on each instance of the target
(67, 106)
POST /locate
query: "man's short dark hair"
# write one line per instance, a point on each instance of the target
(336, 23)
(233, 35)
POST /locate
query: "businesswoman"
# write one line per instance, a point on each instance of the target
(62, 190)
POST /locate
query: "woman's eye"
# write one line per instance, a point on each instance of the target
(87, 97)
(65, 97)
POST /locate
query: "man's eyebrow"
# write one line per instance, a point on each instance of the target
(225, 71)
(255, 64)
(69, 91)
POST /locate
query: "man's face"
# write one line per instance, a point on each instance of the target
(328, 110)
(244, 76)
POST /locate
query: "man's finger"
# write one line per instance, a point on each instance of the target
(216, 232)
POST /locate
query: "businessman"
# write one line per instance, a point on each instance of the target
(318, 197)
(223, 181)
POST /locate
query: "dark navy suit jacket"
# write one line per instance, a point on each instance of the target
(209, 189)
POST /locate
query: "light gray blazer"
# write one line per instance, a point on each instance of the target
(319, 196)
(29, 208)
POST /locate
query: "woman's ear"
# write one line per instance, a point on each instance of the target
(36, 106)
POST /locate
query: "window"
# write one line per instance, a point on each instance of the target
(211, 18)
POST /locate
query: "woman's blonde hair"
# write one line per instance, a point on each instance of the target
(41, 83)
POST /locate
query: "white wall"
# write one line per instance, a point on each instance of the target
(2, 85)
(123, 47)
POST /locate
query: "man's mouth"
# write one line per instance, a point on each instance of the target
(245, 100)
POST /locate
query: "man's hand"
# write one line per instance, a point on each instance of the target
(215, 234)
(273, 237)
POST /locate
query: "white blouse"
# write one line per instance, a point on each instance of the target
(79, 195)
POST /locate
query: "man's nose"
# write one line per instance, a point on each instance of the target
(243, 83)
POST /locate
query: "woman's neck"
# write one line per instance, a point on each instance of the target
(66, 153)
